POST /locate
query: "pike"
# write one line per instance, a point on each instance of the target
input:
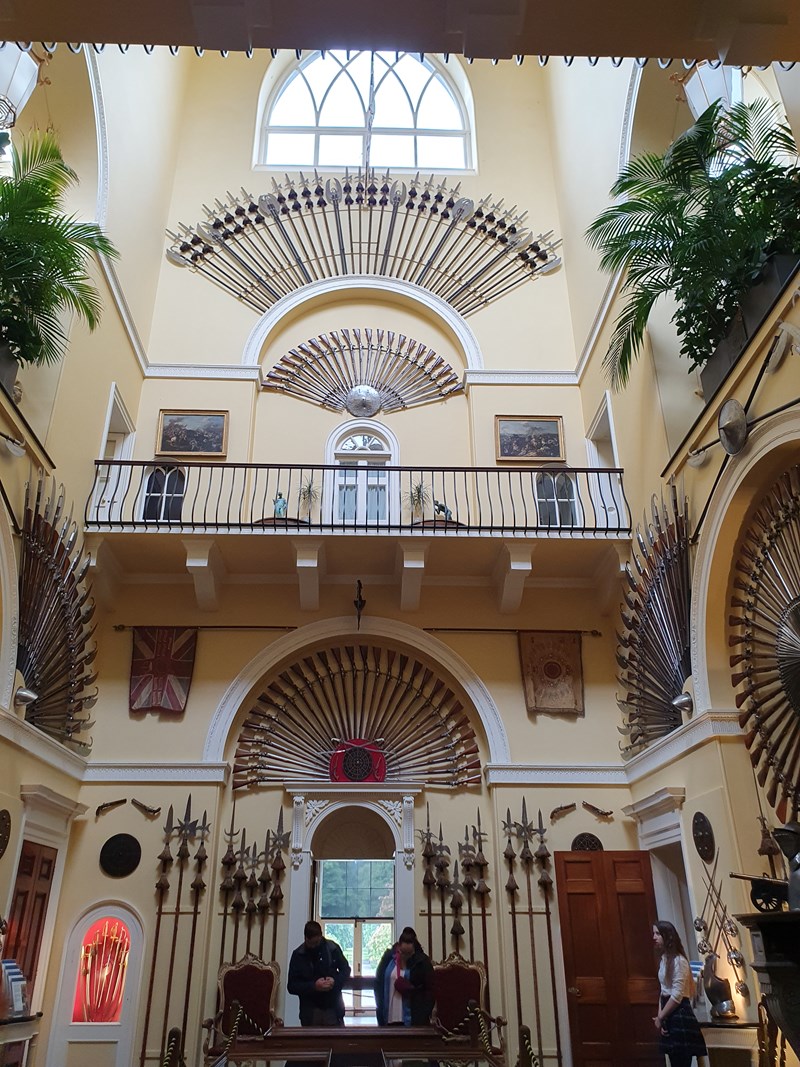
(186, 830)
(162, 887)
(263, 901)
(467, 854)
(442, 882)
(525, 832)
(237, 904)
(198, 887)
(280, 840)
(227, 863)
(542, 855)
(482, 889)
(512, 888)
(428, 878)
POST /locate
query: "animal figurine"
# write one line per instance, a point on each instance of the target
(440, 508)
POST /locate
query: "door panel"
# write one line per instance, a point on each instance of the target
(607, 910)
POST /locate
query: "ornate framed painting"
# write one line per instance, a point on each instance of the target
(529, 438)
(192, 434)
(552, 671)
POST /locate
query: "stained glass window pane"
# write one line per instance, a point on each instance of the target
(290, 149)
(445, 153)
(294, 107)
(390, 150)
(341, 150)
(437, 110)
(392, 108)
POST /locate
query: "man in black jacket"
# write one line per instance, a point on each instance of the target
(317, 971)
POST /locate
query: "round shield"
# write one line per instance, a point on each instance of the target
(120, 855)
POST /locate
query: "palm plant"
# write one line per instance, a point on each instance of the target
(700, 222)
(44, 254)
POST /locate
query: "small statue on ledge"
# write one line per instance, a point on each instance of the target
(279, 506)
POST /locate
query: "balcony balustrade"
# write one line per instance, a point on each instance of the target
(269, 499)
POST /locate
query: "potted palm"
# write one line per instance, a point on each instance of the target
(702, 222)
(44, 255)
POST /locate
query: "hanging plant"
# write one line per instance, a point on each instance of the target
(699, 222)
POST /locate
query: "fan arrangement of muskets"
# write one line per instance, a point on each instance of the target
(363, 371)
(653, 652)
(260, 249)
(55, 650)
(766, 621)
(356, 695)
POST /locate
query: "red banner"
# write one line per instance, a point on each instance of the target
(161, 668)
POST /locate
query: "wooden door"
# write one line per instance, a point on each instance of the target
(29, 907)
(607, 910)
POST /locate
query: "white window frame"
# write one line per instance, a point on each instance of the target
(333, 454)
(452, 73)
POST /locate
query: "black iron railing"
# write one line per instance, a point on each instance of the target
(271, 498)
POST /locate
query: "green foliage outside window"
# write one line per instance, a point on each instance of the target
(361, 889)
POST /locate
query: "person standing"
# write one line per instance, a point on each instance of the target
(679, 1032)
(404, 993)
(317, 971)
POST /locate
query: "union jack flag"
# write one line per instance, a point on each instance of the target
(161, 668)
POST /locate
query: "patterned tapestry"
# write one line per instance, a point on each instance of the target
(552, 674)
(161, 668)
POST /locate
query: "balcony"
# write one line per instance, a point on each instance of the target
(246, 522)
(268, 499)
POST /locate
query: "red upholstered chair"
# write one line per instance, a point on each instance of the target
(248, 990)
(460, 989)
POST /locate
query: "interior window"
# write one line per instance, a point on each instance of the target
(319, 114)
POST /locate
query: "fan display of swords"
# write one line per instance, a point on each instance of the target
(363, 372)
(715, 927)
(406, 721)
(185, 833)
(653, 652)
(55, 649)
(766, 625)
(260, 249)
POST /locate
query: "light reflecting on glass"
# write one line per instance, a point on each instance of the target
(391, 150)
(440, 153)
(343, 105)
(438, 110)
(392, 107)
(294, 107)
(341, 150)
(290, 149)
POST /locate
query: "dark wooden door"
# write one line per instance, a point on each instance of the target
(607, 910)
(29, 907)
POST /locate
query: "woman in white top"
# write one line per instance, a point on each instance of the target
(680, 1036)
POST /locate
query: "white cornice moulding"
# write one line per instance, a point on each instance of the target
(710, 726)
(40, 746)
(555, 774)
(213, 773)
(475, 376)
(208, 371)
(306, 789)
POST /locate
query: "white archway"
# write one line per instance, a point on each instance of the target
(453, 322)
(340, 628)
(783, 430)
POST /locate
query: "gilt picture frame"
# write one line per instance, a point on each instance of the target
(192, 434)
(529, 438)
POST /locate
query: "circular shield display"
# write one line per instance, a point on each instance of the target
(703, 836)
(120, 855)
(357, 760)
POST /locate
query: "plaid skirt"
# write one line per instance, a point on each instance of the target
(683, 1035)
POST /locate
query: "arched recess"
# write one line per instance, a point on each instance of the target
(309, 814)
(117, 1036)
(772, 447)
(305, 298)
(344, 628)
(9, 612)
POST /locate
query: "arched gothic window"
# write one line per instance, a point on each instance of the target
(365, 492)
(317, 114)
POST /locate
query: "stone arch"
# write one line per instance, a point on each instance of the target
(344, 628)
(771, 447)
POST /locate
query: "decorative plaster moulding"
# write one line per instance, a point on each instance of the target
(214, 773)
(661, 802)
(206, 371)
(51, 753)
(556, 774)
(477, 376)
(710, 726)
(370, 790)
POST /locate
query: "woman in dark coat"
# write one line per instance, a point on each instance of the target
(404, 984)
(680, 1036)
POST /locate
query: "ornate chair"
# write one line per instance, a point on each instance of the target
(248, 990)
(459, 1014)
